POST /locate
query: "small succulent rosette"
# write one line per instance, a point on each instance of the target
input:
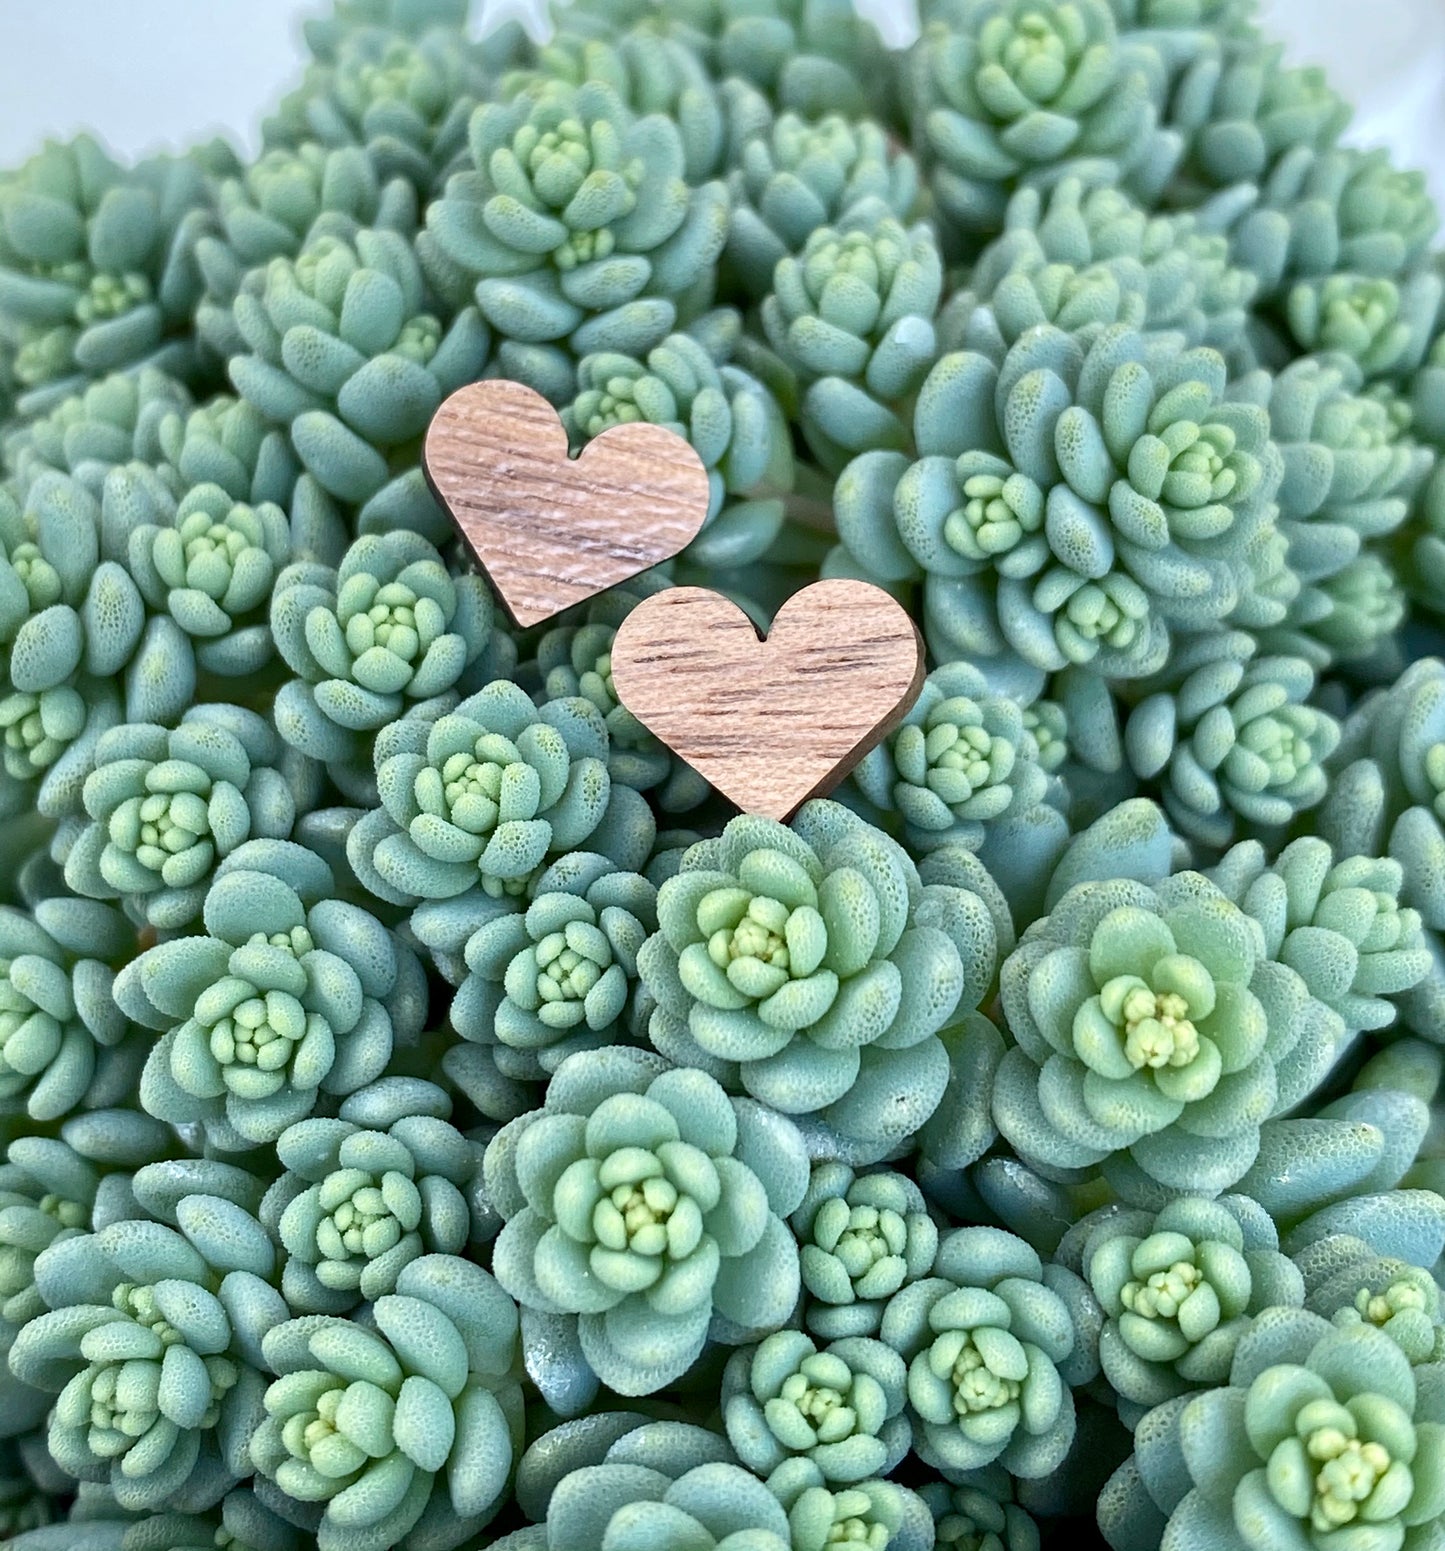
(289, 994)
(385, 1182)
(1322, 1437)
(165, 806)
(861, 1237)
(1178, 1289)
(99, 264)
(343, 351)
(796, 175)
(407, 1426)
(981, 1514)
(573, 228)
(61, 1033)
(388, 628)
(838, 1407)
(995, 1343)
(988, 119)
(851, 317)
(152, 1346)
(1053, 524)
(808, 966)
(962, 762)
(211, 569)
(484, 794)
(1154, 1035)
(562, 975)
(1338, 923)
(645, 1212)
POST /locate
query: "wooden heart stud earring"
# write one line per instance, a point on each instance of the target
(775, 721)
(550, 530)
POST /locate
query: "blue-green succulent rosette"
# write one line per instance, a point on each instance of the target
(152, 1345)
(1154, 1035)
(408, 1425)
(810, 967)
(165, 806)
(1004, 93)
(962, 762)
(345, 354)
(483, 794)
(98, 264)
(838, 1407)
(385, 1182)
(995, 1342)
(1179, 1289)
(574, 229)
(386, 629)
(1072, 500)
(645, 1213)
(561, 976)
(861, 1237)
(288, 995)
(1322, 1437)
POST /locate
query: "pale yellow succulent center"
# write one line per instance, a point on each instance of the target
(1349, 1471)
(1157, 1029)
(1160, 1295)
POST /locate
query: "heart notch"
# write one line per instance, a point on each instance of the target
(549, 530)
(770, 722)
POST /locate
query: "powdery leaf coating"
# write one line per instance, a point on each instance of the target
(640, 1200)
(809, 967)
(1153, 1022)
(1320, 1430)
(377, 1423)
(288, 995)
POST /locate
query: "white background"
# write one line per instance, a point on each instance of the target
(153, 74)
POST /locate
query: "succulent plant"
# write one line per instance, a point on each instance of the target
(1071, 502)
(1150, 1020)
(482, 795)
(367, 1193)
(165, 806)
(1004, 92)
(631, 1209)
(994, 1343)
(1179, 1289)
(99, 265)
(561, 976)
(1320, 1431)
(840, 1407)
(796, 176)
(345, 355)
(851, 316)
(808, 967)
(415, 1419)
(732, 421)
(387, 628)
(574, 228)
(290, 993)
(152, 1345)
(861, 1237)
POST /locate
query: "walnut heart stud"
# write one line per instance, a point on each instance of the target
(550, 530)
(770, 722)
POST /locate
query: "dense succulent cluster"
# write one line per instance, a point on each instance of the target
(433, 1117)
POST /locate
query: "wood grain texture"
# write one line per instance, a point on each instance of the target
(770, 722)
(551, 531)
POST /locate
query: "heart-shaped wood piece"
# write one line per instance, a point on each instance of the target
(770, 722)
(550, 530)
